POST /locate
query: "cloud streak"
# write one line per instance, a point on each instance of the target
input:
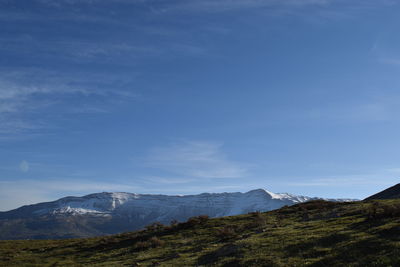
(26, 93)
(374, 111)
(231, 5)
(160, 8)
(195, 159)
(381, 177)
(24, 166)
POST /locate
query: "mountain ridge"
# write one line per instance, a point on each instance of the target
(114, 212)
(120, 198)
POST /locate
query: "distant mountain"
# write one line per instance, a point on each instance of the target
(109, 213)
(389, 193)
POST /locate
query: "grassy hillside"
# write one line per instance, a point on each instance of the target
(316, 234)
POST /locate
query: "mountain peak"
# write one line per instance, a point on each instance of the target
(258, 191)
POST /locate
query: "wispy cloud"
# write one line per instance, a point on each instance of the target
(240, 3)
(214, 6)
(17, 88)
(24, 166)
(390, 61)
(24, 93)
(321, 9)
(378, 178)
(195, 159)
(9, 126)
(393, 170)
(385, 48)
(167, 180)
(374, 111)
(159, 8)
(229, 5)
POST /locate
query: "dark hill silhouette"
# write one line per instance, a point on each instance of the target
(389, 193)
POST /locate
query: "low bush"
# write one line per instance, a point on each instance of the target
(226, 232)
(259, 221)
(193, 221)
(156, 226)
(317, 205)
(153, 242)
(156, 242)
(198, 219)
(379, 210)
(174, 223)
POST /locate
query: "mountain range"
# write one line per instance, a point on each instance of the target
(109, 213)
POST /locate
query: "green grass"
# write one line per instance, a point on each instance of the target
(309, 234)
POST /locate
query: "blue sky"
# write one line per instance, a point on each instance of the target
(182, 97)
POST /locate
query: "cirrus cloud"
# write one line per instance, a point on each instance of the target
(196, 159)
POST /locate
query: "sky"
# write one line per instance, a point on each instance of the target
(192, 96)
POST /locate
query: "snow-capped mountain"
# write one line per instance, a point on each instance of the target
(170, 207)
(107, 213)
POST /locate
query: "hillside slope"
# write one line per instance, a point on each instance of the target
(389, 193)
(316, 233)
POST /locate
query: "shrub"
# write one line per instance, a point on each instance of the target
(156, 226)
(174, 222)
(259, 221)
(192, 221)
(156, 242)
(226, 232)
(254, 213)
(197, 220)
(203, 218)
(317, 205)
(391, 210)
(153, 242)
(141, 245)
(379, 210)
